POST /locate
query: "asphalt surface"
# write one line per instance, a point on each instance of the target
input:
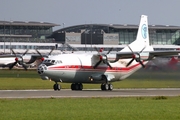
(66, 93)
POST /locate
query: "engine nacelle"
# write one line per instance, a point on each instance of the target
(145, 56)
(112, 57)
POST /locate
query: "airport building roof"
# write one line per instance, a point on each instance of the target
(116, 26)
(29, 23)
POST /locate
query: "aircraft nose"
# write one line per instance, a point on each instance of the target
(41, 68)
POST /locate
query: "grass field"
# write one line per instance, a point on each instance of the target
(141, 108)
(20, 79)
(135, 108)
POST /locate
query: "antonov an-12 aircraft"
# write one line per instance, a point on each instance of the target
(103, 68)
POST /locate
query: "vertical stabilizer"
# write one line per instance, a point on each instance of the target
(143, 33)
(142, 39)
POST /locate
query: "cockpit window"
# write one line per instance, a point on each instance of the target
(59, 61)
(52, 61)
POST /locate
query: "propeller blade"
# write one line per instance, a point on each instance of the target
(24, 66)
(97, 64)
(142, 49)
(130, 49)
(96, 49)
(110, 50)
(25, 52)
(38, 52)
(51, 51)
(13, 51)
(12, 65)
(130, 62)
(142, 64)
(109, 65)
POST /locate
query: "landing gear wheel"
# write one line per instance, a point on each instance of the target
(80, 86)
(72, 86)
(76, 86)
(110, 87)
(106, 86)
(56, 87)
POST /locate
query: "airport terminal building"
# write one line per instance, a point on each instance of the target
(99, 34)
(116, 34)
(20, 31)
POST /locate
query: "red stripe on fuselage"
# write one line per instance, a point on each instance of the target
(90, 68)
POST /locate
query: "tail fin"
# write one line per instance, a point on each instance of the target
(142, 39)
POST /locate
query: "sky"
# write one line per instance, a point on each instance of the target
(75, 12)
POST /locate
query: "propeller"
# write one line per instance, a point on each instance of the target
(19, 60)
(42, 58)
(102, 58)
(136, 56)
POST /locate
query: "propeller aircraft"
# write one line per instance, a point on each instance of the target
(101, 67)
(24, 60)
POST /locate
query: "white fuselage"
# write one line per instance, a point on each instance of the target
(77, 68)
(6, 61)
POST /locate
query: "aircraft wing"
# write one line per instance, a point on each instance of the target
(163, 53)
(35, 57)
(7, 56)
(144, 55)
(151, 54)
(125, 55)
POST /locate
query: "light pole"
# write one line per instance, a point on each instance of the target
(63, 24)
(4, 36)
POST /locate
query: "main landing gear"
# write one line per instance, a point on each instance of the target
(79, 86)
(76, 86)
(106, 86)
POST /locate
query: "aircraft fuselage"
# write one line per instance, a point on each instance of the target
(78, 68)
